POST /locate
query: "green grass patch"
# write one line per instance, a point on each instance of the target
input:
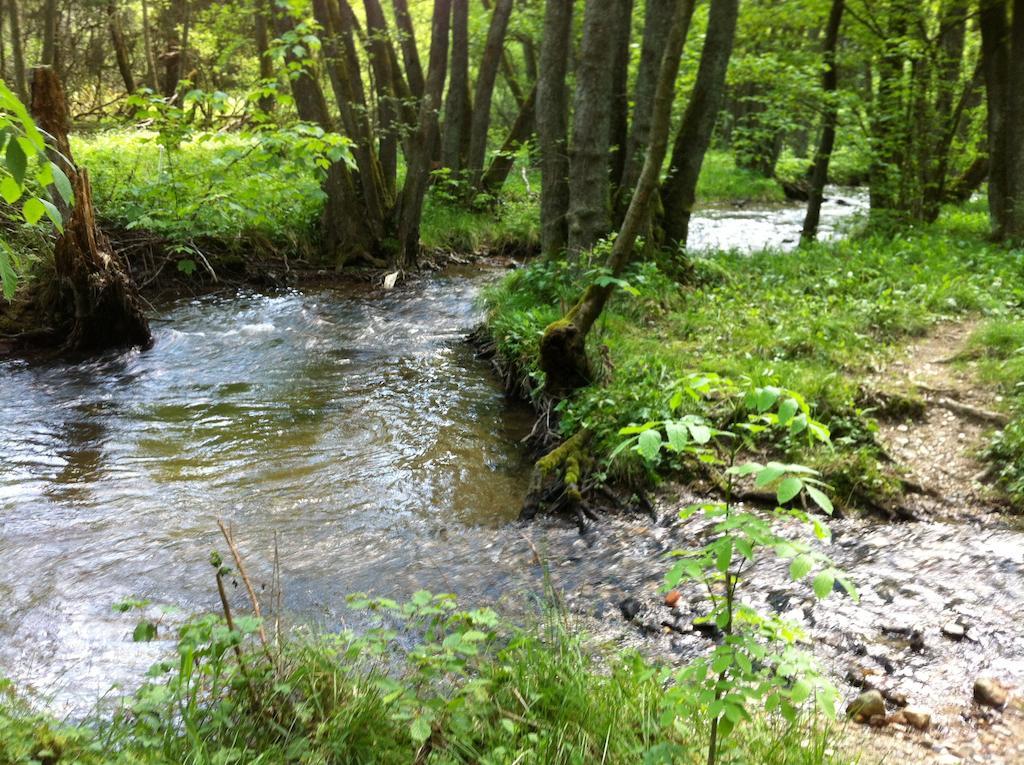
(813, 321)
(721, 181)
(456, 687)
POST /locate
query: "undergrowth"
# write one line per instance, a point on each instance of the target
(816, 320)
(430, 684)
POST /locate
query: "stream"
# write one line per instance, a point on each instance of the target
(356, 431)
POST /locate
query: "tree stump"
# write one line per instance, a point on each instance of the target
(95, 288)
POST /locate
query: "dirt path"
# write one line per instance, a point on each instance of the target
(938, 451)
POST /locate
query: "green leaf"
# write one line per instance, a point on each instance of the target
(788, 489)
(53, 214)
(820, 499)
(786, 410)
(145, 632)
(701, 433)
(17, 162)
(420, 729)
(765, 398)
(678, 436)
(801, 691)
(724, 555)
(33, 209)
(823, 584)
(800, 567)
(10, 190)
(60, 180)
(770, 473)
(649, 444)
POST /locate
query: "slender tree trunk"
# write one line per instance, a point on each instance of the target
(387, 112)
(651, 52)
(830, 116)
(1015, 126)
(589, 187)
(3, 46)
(553, 126)
(619, 128)
(94, 285)
(49, 54)
(889, 119)
(186, 28)
(120, 49)
(422, 142)
(679, 190)
(995, 41)
(410, 55)
(261, 11)
(147, 43)
(456, 107)
(563, 347)
(519, 134)
(487, 75)
(17, 52)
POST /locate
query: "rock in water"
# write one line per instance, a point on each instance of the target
(953, 630)
(869, 704)
(990, 692)
(672, 598)
(918, 717)
(629, 607)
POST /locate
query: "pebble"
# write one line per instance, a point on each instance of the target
(629, 607)
(866, 706)
(918, 717)
(990, 692)
(672, 598)
(953, 630)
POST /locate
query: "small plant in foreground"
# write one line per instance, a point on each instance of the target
(757, 660)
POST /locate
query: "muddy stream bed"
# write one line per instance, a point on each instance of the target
(359, 431)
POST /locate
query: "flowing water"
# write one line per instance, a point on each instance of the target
(353, 429)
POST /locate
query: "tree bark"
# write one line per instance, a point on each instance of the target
(384, 79)
(261, 11)
(995, 41)
(830, 116)
(147, 42)
(651, 51)
(563, 355)
(619, 127)
(456, 106)
(17, 51)
(691, 142)
(49, 52)
(410, 55)
(552, 125)
(120, 49)
(589, 187)
(94, 285)
(423, 140)
(487, 76)
(1015, 127)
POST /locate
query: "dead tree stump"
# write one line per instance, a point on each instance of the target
(95, 288)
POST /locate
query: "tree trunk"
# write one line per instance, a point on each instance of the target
(589, 188)
(262, 38)
(3, 46)
(995, 37)
(413, 70)
(186, 28)
(487, 75)
(829, 118)
(552, 125)
(423, 140)
(49, 52)
(619, 127)
(679, 190)
(147, 42)
(456, 106)
(17, 52)
(563, 355)
(384, 77)
(651, 52)
(519, 134)
(1015, 127)
(888, 128)
(120, 49)
(94, 286)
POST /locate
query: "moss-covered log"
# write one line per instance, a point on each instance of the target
(557, 477)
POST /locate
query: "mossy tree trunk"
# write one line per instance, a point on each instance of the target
(96, 292)
(563, 355)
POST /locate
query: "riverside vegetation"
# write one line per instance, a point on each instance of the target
(277, 143)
